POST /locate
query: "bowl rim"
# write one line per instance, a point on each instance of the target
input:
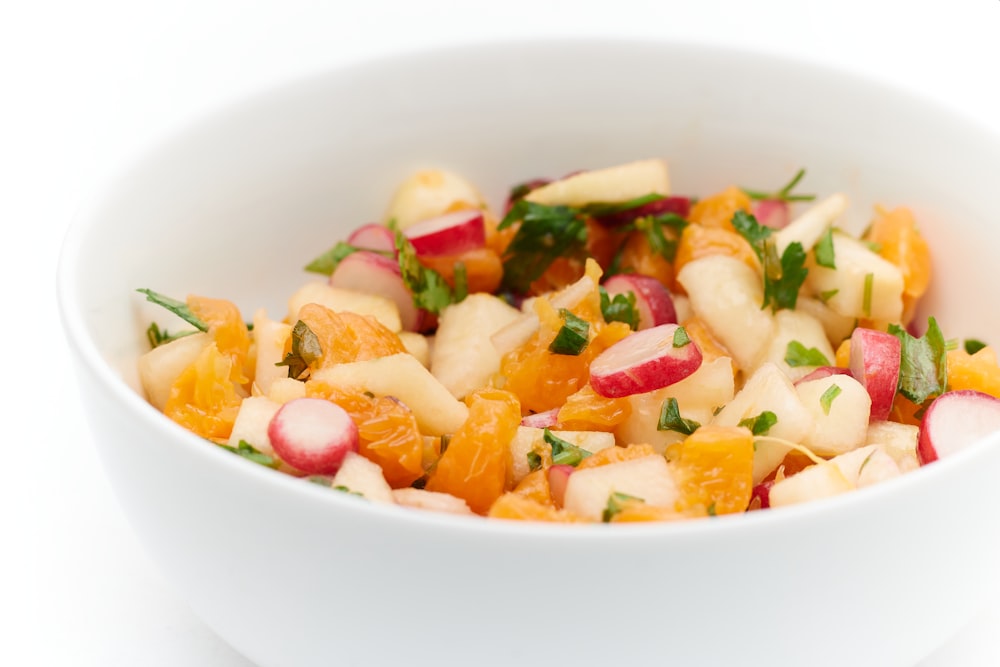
(86, 353)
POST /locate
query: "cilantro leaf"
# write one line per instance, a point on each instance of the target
(249, 452)
(785, 193)
(671, 420)
(972, 345)
(828, 396)
(572, 338)
(824, 250)
(430, 290)
(621, 308)
(761, 424)
(546, 232)
(827, 295)
(327, 263)
(796, 354)
(176, 307)
(781, 286)
(923, 366)
(616, 503)
(754, 232)
(305, 350)
(563, 452)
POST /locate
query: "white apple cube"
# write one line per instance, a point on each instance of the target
(286, 389)
(648, 478)
(811, 225)
(862, 286)
(429, 193)
(528, 439)
(359, 475)
(616, 184)
(840, 408)
(252, 421)
(269, 338)
(899, 441)
(796, 325)
(837, 327)
(417, 345)
(430, 500)
(823, 480)
(160, 367)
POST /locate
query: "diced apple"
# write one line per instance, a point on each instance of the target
(359, 475)
(430, 500)
(313, 435)
(810, 226)
(837, 326)
(867, 465)
(402, 376)
(954, 421)
(875, 359)
(794, 325)
(417, 345)
(338, 300)
(726, 295)
(682, 307)
(159, 367)
(645, 361)
(373, 236)
(840, 409)
(269, 339)
(612, 185)
(252, 422)
(648, 478)
(899, 441)
(429, 193)
(448, 234)
(286, 389)
(529, 439)
(863, 285)
(652, 300)
(823, 480)
(377, 274)
(464, 357)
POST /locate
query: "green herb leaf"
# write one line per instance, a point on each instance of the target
(572, 337)
(866, 304)
(430, 290)
(247, 451)
(824, 250)
(546, 232)
(461, 282)
(828, 396)
(616, 503)
(327, 263)
(599, 209)
(619, 309)
(157, 336)
(923, 366)
(305, 350)
(681, 337)
(865, 462)
(671, 420)
(176, 307)
(760, 424)
(828, 294)
(534, 461)
(797, 355)
(563, 452)
(972, 345)
(781, 287)
(344, 489)
(785, 193)
(711, 509)
(754, 232)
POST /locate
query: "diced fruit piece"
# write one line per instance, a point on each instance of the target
(648, 478)
(726, 295)
(954, 421)
(204, 398)
(161, 366)
(867, 465)
(895, 233)
(840, 409)
(359, 475)
(875, 358)
(838, 327)
(863, 285)
(717, 210)
(714, 469)
(640, 258)
(483, 268)
(417, 345)
(815, 482)
(760, 497)
(402, 376)
(978, 371)
(529, 439)
(269, 338)
(536, 486)
(430, 500)
(677, 205)
(588, 410)
(898, 440)
(771, 213)
(429, 193)
(611, 455)
(810, 226)
(823, 372)
(794, 326)
(252, 422)
(699, 241)
(286, 389)
(541, 419)
(339, 300)
(558, 479)
(514, 506)
(342, 337)
(464, 357)
(611, 185)
(448, 234)
(313, 435)
(645, 361)
(374, 237)
(652, 300)
(377, 274)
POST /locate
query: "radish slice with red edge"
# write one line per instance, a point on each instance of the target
(448, 234)
(541, 419)
(645, 361)
(558, 479)
(762, 492)
(955, 420)
(372, 273)
(313, 435)
(772, 213)
(374, 237)
(875, 359)
(823, 372)
(652, 299)
(677, 205)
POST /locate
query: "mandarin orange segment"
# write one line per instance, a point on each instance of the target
(715, 469)
(639, 257)
(977, 371)
(204, 398)
(345, 337)
(842, 357)
(601, 242)
(717, 211)
(905, 411)
(636, 512)
(474, 467)
(483, 268)
(616, 455)
(586, 410)
(536, 486)
(901, 244)
(227, 329)
(515, 506)
(700, 241)
(561, 272)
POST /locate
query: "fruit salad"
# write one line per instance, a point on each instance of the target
(601, 349)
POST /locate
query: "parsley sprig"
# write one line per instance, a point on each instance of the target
(430, 290)
(784, 275)
(620, 308)
(785, 193)
(545, 233)
(923, 366)
(671, 420)
(564, 452)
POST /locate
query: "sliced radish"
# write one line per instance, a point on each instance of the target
(875, 358)
(652, 299)
(373, 236)
(955, 420)
(449, 234)
(823, 372)
(772, 213)
(313, 435)
(677, 205)
(762, 493)
(545, 419)
(645, 361)
(522, 189)
(373, 273)
(558, 479)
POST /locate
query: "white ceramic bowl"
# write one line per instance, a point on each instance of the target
(293, 575)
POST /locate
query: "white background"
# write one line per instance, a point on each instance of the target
(84, 85)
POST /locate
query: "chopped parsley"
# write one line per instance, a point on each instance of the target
(344, 489)
(572, 337)
(785, 193)
(430, 290)
(249, 452)
(972, 345)
(601, 209)
(681, 337)
(866, 304)
(157, 336)
(176, 307)
(616, 503)
(711, 509)
(828, 396)
(621, 308)
(826, 295)
(796, 355)
(923, 365)
(824, 250)
(671, 420)
(784, 275)
(761, 424)
(652, 227)
(563, 452)
(545, 233)
(327, 263)
(305, 351)
(534, 461)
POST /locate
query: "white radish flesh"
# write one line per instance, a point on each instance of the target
(652, 300)
(875, 358)
(954, 421)
(373, 236)
(645, 361)
(611, 185)
(313, 435)
(449, 234)
(373, 273)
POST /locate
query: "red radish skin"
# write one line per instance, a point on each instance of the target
(762, 492)
(652, 299)
(875, 358)
(448, 234)
(677, 205)
(546, 419)
(642, 362)
(558, 479)
(313, 435)
(823, 372)
(955, 420)
(527, 187)
(373, 273)
(772, 213)
(374, 237)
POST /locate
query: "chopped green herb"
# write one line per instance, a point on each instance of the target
(445, 441)
(824, 250)
(828, 396)
(321, 480)
(621, 308)
(785, 193)
(599, 209)
(616, 503)
(461, 289)
(866, 304)
(652, 226)
(797, 355)
(972, 345)
(157, 336)
(249, 452)
(754, 232)
(305, 350)
(546, 232)
(534, 461)
(327, 263)
(563, 452)
(671, 420)
(760, 424)
(344, 489)
(430, 291)
(867, 459)
(572, 338)
(681, 337)
(783, 277)
(923, 365)
(826, 295)
(176, 307)
(711, 509)
(874, 247)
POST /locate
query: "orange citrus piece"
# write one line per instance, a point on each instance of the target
(523, 508)
(483, 268)
(586, 410)
(635, 511)
(227, 329)
(843, 355)
(977, 371)
(204, 399)
(901, 244)
(536, 486)
(345, 337)
(715, 469)
(701, 241)
(717, 211)
(616, 455)
(639, 257)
